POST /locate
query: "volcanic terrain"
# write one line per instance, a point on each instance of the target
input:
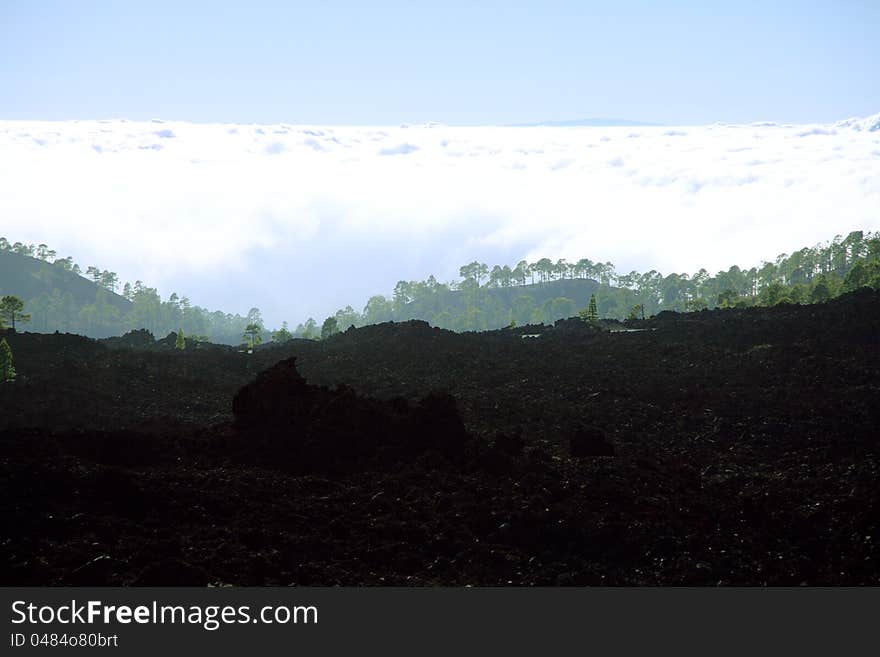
(721, 447)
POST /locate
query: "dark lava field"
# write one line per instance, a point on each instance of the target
(726, 447)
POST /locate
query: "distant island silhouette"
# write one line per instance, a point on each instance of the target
(595, 122)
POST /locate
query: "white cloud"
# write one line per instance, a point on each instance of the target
(300, 220)
(400, 149)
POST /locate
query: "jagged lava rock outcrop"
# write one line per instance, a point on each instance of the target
(314, 428)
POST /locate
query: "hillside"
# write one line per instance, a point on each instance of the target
(496, 296)
(59, 299)
(485, 298)
(32, 279)
(732, 446)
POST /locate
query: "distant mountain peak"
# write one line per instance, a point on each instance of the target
(594, 122)
(868, 123)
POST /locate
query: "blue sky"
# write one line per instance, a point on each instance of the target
(458, 63)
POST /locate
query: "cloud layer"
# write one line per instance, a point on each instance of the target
(300, 220)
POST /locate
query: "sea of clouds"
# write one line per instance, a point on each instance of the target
(301, 220)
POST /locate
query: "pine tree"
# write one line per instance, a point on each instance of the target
(181, 341)
(637, 312)
(591, 314)
(7, 371)
(329, 328)
(283, 334)
(12, 308)
(253, 333)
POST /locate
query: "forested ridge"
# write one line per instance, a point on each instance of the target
(544, 291)
(59, 297)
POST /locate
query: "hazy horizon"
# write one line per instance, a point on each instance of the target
(303, 220)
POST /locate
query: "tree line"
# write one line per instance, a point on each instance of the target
(106, 315)
(532, 293)
(483, 298)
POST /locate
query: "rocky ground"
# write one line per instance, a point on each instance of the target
(722, 447)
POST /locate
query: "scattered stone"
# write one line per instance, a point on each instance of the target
(96, 572)
(586, 442)
(171, 572)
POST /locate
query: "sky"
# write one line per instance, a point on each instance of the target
(461, 63)
(280, 156)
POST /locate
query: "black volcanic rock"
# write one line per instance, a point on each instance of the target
(171, 572)
(138, 339)
(746, 453)
(586, 441)
(276, 397)
(511, 444)
(313, 428)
